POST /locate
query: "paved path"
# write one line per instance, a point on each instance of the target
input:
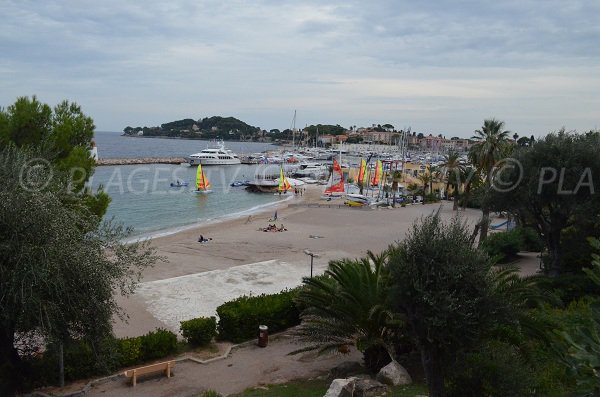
(245, 367)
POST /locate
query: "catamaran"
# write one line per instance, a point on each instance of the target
(335, 186)
(202, 183)
(284, 184)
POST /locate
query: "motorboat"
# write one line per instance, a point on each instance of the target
(312, 170)
(239, 183)
(214, 156)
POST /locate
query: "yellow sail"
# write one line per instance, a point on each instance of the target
(284, 184)
(202, 182)
(362, 172)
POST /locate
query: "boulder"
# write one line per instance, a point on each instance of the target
(369, 388)
(346, 369)
(356, 387)
(340, 388)
(394, 374)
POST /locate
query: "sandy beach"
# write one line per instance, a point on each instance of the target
(241, 259)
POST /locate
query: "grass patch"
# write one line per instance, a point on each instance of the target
(317, 388)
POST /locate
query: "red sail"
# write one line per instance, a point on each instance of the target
(336, 181)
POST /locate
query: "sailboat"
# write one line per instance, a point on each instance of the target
(378, 173)
(284, 184)
(335, 185)
(202, 183)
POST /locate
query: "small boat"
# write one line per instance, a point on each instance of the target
(239, 183)
(202, 183)
(179, 184)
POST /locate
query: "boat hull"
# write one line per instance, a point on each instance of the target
(206, 161)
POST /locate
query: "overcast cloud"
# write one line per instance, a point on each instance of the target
(437, 66)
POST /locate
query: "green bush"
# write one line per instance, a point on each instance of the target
(530, 240)
(199, 331)
(239, 319)
(503, 245)
(570, 287)
(497, 369)
(130, 351)
(211, 393)
(158, 344)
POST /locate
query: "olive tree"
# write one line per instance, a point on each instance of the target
(60, 269)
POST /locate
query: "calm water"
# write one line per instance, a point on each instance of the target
(142, 196)
(112, 145)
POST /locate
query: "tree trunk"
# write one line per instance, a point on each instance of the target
(9, 365)
(433, 372)
(554, 252)
(485, 223)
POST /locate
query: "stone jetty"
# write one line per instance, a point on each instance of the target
(145, 160)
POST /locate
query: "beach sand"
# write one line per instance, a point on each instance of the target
(240, 259)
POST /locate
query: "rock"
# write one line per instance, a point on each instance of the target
(369, 388)
(340, 388)
(394, 374)
(356, 387)
(345, 369)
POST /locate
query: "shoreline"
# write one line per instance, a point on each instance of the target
(242, 259)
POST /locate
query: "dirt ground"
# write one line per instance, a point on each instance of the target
(245, 367)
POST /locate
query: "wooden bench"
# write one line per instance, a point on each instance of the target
(150, 369)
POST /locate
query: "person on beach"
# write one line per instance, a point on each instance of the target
(249, 220)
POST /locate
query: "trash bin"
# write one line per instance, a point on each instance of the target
(263, 335)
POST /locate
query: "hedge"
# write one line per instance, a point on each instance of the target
(199, 331)
(239, 319)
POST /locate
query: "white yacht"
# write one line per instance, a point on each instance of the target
(313, 170)
(214, 156)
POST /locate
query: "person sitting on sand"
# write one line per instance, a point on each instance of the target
(281, 229)
(201, 239)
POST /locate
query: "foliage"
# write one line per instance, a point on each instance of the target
(226, 128)
(494, 369)
(60, 270)
(62, 135)
(554, 188)
(530, 240)
(503, 246)
(582, 345)
(239, 319)
(491, 145)
(346, 306)
(211, 393)
(324, 129)
(199, 331)
(130, 351)
(158, 344)
(450, 298)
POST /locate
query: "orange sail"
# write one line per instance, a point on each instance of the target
(378, 172)
(284, 184)
(362, 172)
(336, 181)
(202, 182)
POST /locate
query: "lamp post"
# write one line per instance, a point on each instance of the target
(312, 256)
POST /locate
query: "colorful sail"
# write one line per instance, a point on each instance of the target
(202, 182)
(284, 184)
(377, 174)
(362, 172)
(336, 181)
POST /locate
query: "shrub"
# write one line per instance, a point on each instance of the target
(239, 319)
(199, 331)
(530, 240)
(211, 393)
(495, 369)
(503, 246)
(158, 344)
(130, 351)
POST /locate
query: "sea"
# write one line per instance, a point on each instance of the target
(142, 197)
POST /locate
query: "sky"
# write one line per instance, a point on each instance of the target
(439, 67)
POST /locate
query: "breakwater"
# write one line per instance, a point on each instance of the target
(146, 160)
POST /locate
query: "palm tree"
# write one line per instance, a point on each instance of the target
(347, 307)
(427, 180)
(452, 170)
(489, 148)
